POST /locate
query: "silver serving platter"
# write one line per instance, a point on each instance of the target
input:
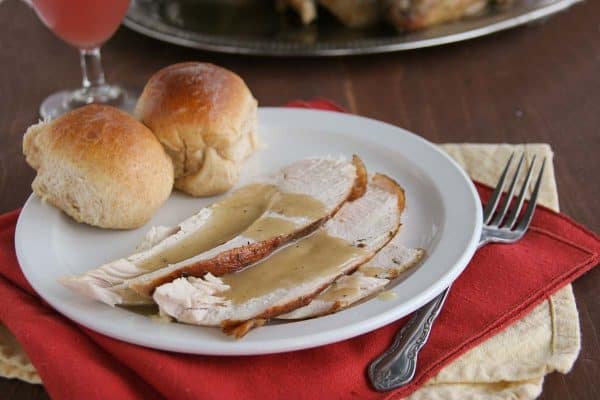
(254, 27)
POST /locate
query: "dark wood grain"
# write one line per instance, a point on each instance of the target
(539, 83)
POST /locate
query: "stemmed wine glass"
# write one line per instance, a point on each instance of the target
(86, 25)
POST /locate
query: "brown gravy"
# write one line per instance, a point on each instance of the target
(267, 227)
(230, 216)
(303, 261)
(297, 205)
(241, 213)
(349, 288)
(288, 205)
(146, 310)
(374, 272)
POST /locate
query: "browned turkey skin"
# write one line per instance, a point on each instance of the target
(404, 15)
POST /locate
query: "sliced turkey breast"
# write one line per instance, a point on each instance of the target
(294, 275)
(368, 279)
(240, 229)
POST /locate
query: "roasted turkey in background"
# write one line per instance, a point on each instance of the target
(413, 15)
(405, 15)
(306, 9)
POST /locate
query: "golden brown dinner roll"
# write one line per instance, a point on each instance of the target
(205, 117)
(100, 166)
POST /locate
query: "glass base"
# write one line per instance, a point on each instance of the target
(61, 102)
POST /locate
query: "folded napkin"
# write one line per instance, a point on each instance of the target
(502, 285)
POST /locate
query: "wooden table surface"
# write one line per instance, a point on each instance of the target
(539, 83)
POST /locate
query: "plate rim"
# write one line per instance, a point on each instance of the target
(307, 340)
(287, 49)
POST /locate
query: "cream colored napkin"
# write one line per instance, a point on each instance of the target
(510, 365)
(13, 360)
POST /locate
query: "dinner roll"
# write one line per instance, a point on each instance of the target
(205, 117)
(100, 166)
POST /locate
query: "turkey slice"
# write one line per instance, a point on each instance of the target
(294, 275)
(368, 279)
(238, 230)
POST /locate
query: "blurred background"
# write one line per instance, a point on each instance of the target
(505, 87)
(539, 82)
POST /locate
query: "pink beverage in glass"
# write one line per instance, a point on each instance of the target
(86, 25)
(83, 24)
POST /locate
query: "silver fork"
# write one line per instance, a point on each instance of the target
(397, 365)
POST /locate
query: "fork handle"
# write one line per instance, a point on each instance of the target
(397, 365)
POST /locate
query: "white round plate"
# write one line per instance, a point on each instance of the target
(443, 216)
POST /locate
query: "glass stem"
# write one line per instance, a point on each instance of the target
(91, 67)
(94, 87)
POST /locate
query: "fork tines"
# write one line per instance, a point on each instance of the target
(494, 214)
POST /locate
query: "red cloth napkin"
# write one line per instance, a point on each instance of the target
(501, 284)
